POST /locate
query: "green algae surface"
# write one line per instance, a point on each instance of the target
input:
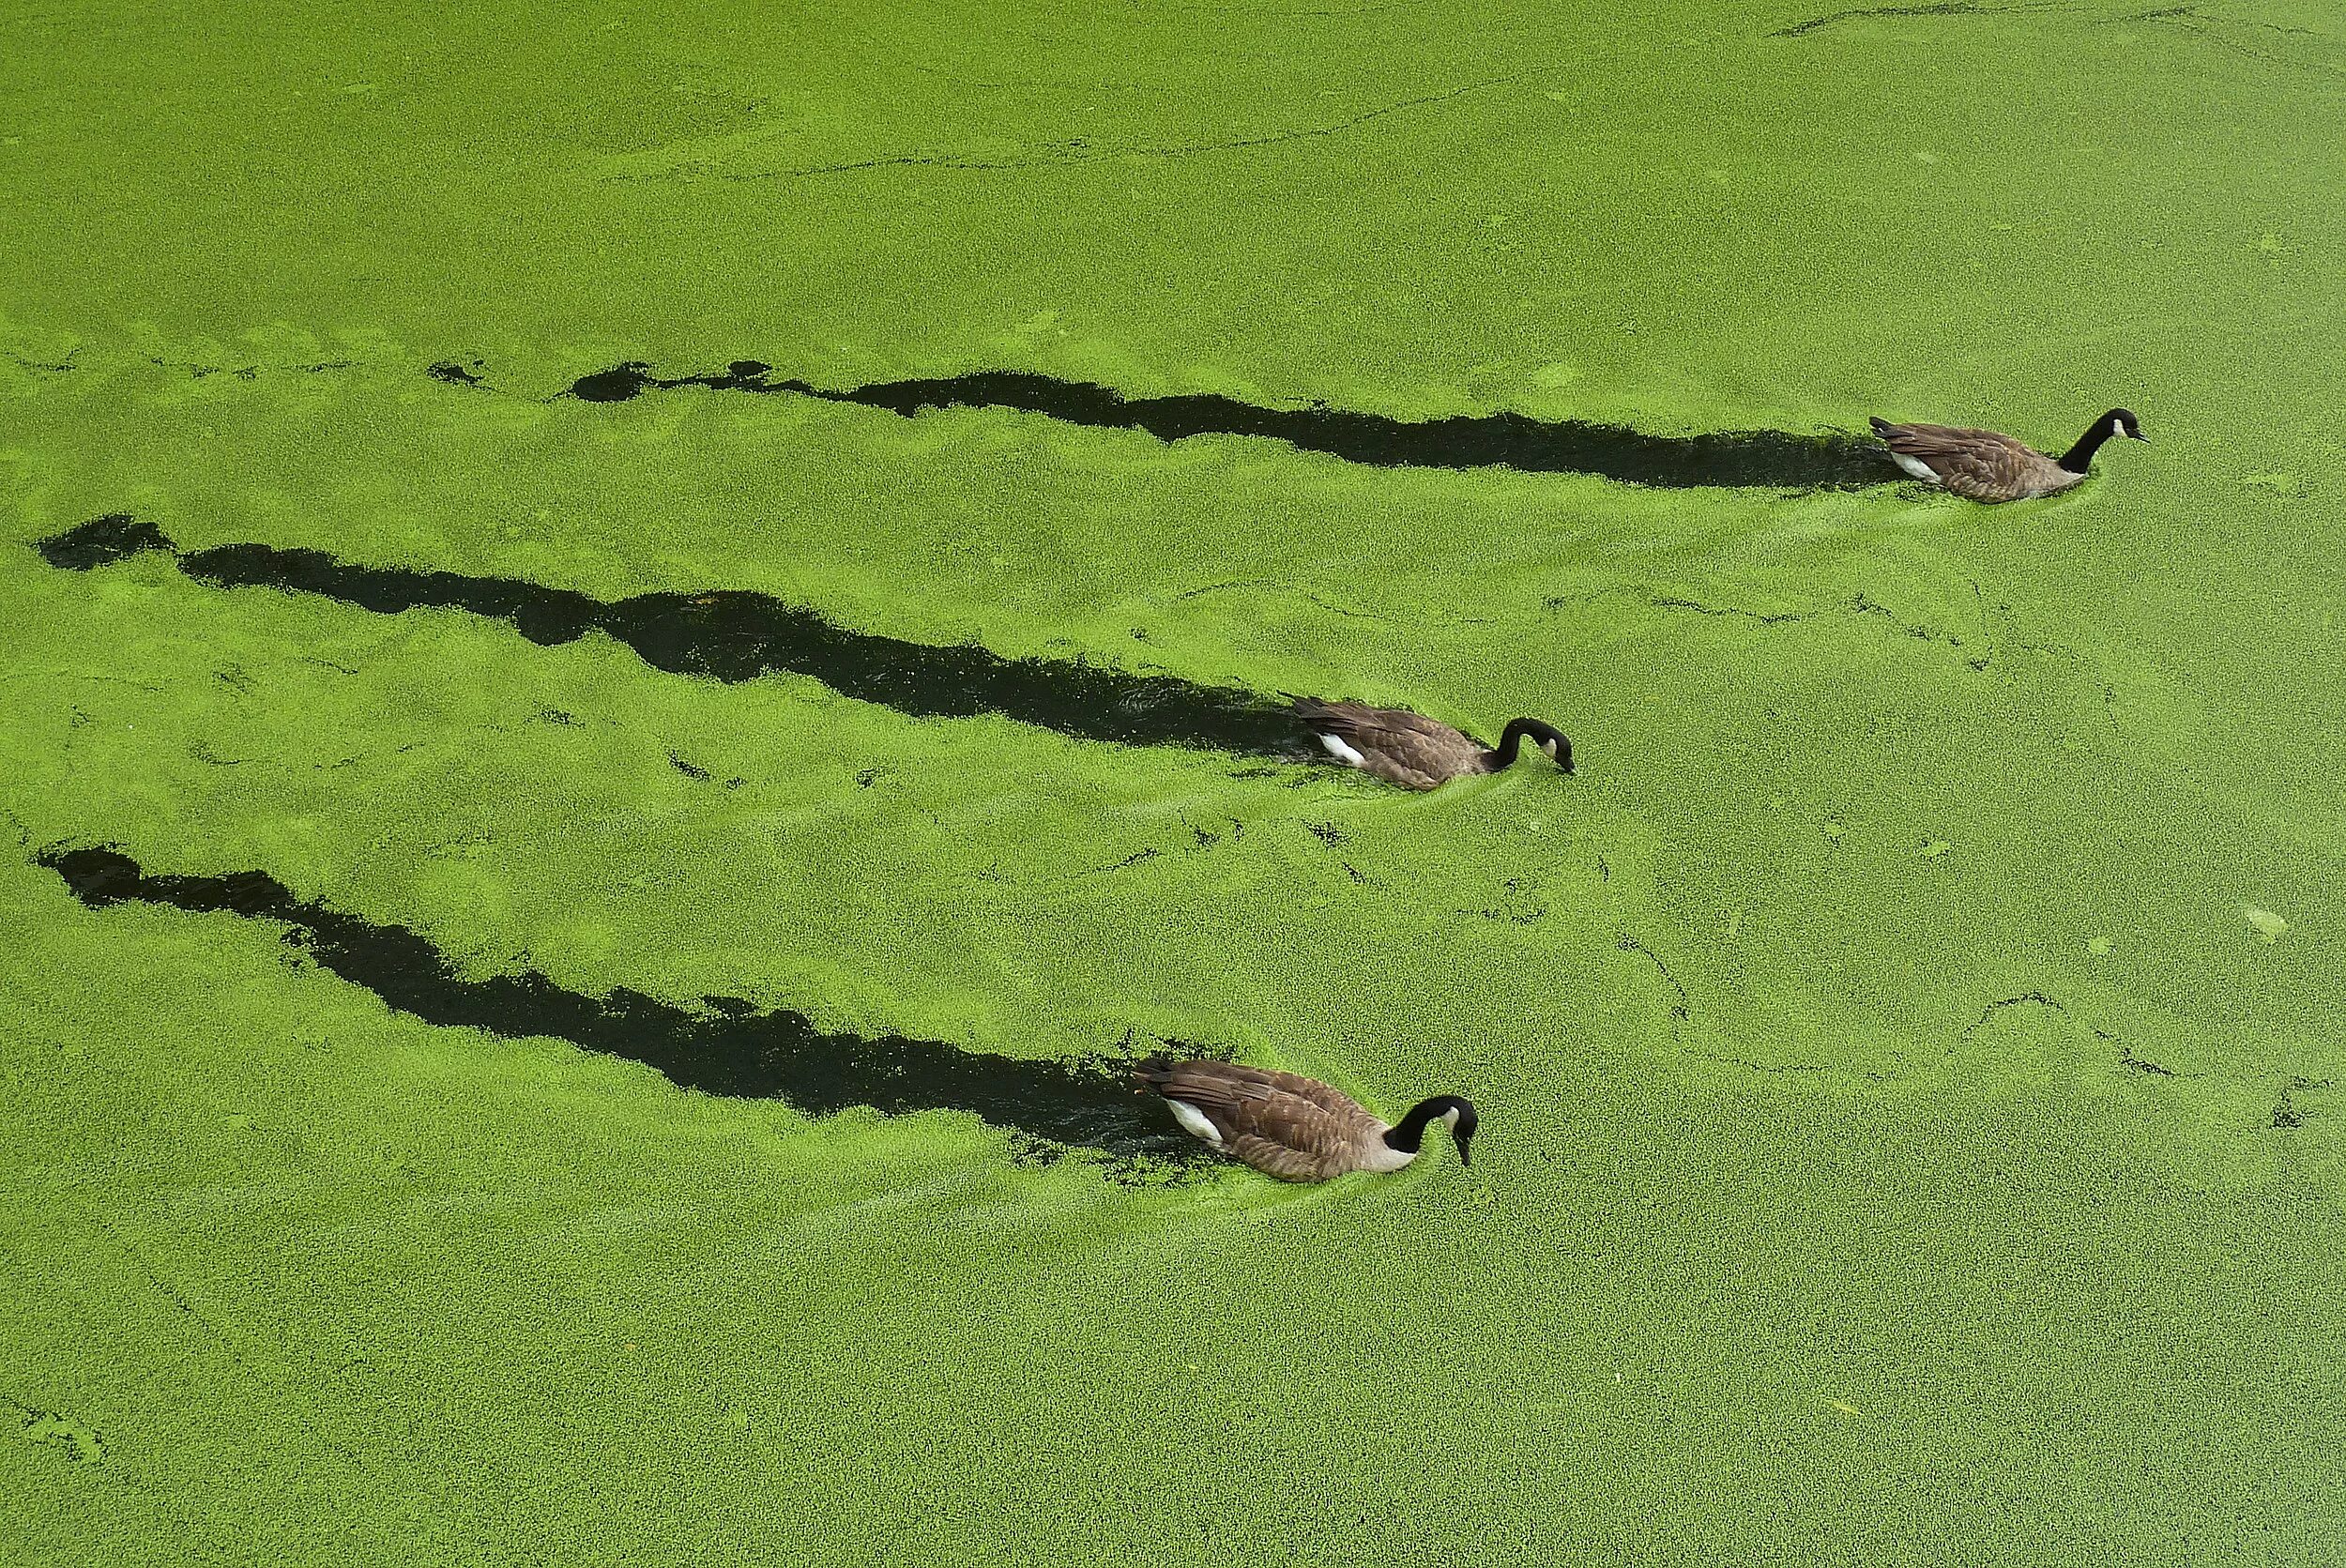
(1914, 1124)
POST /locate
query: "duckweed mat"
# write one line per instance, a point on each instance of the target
(484, 1095)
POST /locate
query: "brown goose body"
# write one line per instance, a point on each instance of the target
(1412, 751)
(1984, 465)
(1292, 1127)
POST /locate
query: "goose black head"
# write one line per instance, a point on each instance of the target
(1453, 1111)
(1459, 1113)
(1547, 737)
(2118, 422)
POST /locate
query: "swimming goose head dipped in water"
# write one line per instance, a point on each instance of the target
(1417, 752)
(1295, 1128)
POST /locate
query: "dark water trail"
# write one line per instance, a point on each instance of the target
(734, 1050)
(734, 636)
(1768, 459)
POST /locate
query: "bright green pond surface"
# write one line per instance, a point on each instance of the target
(1908, 1136)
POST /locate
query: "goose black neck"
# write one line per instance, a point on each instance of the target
(1511, 742)
(2078, 458)
(1409, 1136)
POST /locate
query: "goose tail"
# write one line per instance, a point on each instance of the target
(1308, 708)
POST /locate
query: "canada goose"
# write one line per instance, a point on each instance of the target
(1414, 752)
(1982, 465)
(1292, 1127)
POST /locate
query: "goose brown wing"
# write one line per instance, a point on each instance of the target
(1398, 746)
(1288, 1163)
(1977, 464)
(1287, 1126)
(1920, 440)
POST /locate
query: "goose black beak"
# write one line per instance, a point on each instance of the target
(2140, 436)
(1463, 1159)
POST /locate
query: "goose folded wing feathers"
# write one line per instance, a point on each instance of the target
(1210, 1085)
(1977, 464)
(1287, 1160)
(1357, 722)
(1926, 441)
(1394, 745)
(1248, 1101)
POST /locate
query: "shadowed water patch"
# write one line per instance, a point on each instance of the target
(1771, 459)
(734, 1049)
(735, 637)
